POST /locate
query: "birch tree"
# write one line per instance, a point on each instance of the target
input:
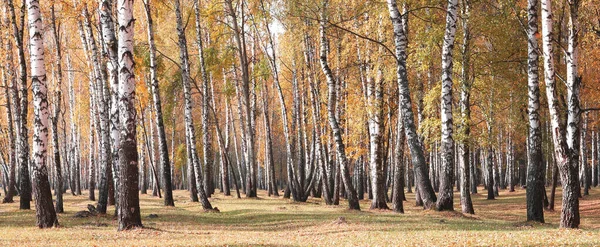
(189, 121)
(162, 139)
(24, 179)
(333, 121)
(128, 207)
(100, 89)
(207, 151)
(45, 214)
(111, 108)
(13, 109)
(535, 180)
(416, 150)
(566, 158)
(446, 194)
(464, 146)
(56, 114)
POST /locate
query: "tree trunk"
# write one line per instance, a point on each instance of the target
(223, 147)
(46, 216)
(535, 179)
(128, 202)
(398, 176)
(190, 129)
(111, 97)
(24, 179)
(269, 162)
(565, 155)
(490, 173)
(56, 105)
(162, 139)
(446, 194)
(12, 102)
(416, 149)
(584, 164)
(593, 179)
(464, 146)
(102, 107)
(239, 35)
(333, 122)
(207, 151)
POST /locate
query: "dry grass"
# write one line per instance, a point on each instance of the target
(280, 222)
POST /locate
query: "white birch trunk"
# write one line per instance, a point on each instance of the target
(446, 194)
(190, 129)
(46, 216)
(128, 207)
(565, 159)
(418, 159)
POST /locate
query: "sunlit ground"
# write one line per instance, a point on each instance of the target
(277, 221)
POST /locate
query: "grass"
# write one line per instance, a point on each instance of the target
(281, 222)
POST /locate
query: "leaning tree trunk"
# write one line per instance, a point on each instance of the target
(418, 159)
(189, 121)
(207, 152)
(162, 139)
(128, 202)
(333, 122)
(102, 108)
(46, 216)
(465, 108)
(535, 179)
(446, 194)
(566, 159)
(223, 145)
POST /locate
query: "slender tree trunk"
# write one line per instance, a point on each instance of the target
(553, 188)
(333, 122)
(398, 188)
(207, 151)
(239, 35)
(46, 216)
(162, 139)
(269, 162)
(12, 102)
(109, 47)
(464, 146)
(58, 97)
(490, 173)
(374, 96)
(584, 164)
(223, 146)
(416, 149)
(191, 175)
(143, 171)
(535, 180)
(24, 179)
(190, 129)
(102, 107)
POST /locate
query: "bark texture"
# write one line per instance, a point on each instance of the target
(45, 213)
(128, 207)
(423, 182)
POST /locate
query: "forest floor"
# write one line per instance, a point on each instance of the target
(281, 222)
